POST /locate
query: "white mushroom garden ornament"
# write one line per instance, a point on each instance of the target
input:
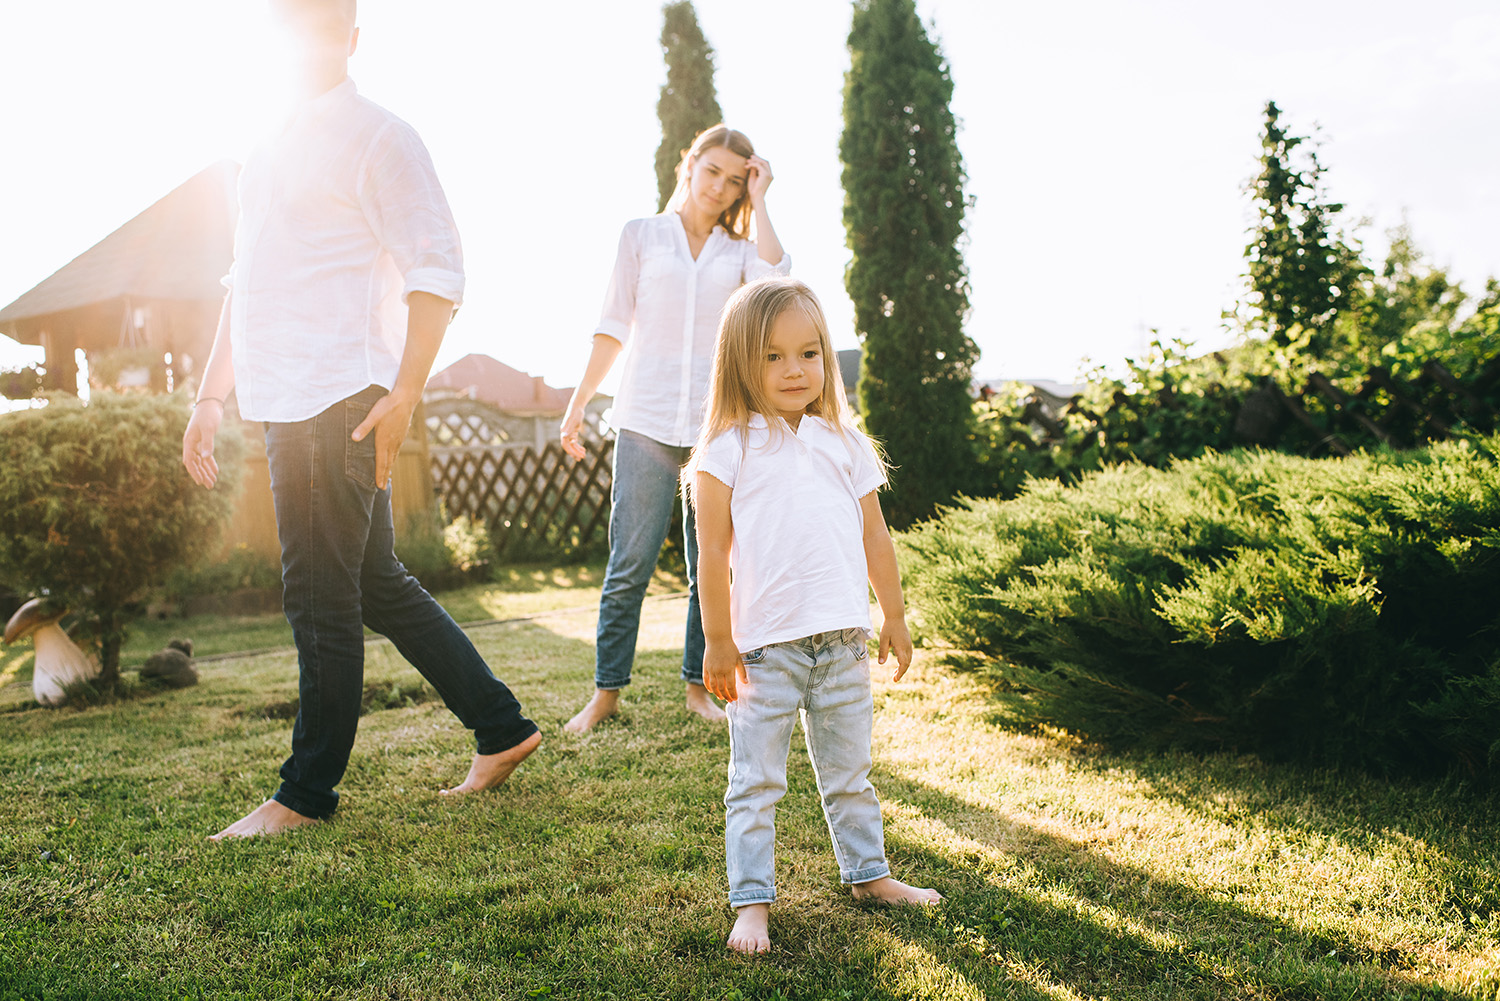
(59, 661)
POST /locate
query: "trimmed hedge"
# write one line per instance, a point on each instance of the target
(1338, 611)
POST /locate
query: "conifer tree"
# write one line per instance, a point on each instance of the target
(903, 213)
(1300, 270)
(688, 103)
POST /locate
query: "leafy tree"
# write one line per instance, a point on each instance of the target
(1405, 315)
(688, 103)
(903, 213)
(1300, 268)
(95, 506)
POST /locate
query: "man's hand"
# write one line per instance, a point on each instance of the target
(198, 442)
(390, 418)
(723, 670)
(895, 636)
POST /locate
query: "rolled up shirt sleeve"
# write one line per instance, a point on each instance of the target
(618, 315)
(408, 212)
(757, 268)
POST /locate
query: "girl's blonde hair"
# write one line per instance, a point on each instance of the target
(736, 386)
(736, 218)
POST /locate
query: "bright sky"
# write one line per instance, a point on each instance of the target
(1107, 144)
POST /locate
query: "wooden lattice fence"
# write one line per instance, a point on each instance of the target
(528, 497)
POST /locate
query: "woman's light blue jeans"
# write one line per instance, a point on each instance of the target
(826, 677)
(641, 499)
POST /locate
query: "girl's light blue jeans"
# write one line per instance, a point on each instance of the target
(824, 678)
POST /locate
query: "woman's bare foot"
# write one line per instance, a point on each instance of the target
(702, 703)
(268, 818)
(751, 933)
(604, 704)
(886, 890)
(489, 770)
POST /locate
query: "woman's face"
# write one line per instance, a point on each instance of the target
(716, 179)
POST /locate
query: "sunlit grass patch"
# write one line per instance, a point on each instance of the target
(597, 871)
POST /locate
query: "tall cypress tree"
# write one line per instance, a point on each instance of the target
(903, 213)
(688, 104)
(1299, 269)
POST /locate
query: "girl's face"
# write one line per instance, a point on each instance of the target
(793, 374)
(716, 179)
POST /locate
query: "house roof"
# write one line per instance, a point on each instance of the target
(496, 383)
(173, 252)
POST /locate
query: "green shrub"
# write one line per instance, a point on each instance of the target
(1338, 611)
(468, 544)
(95, 507)
(423, 550)
(241, 569)
(521, 540)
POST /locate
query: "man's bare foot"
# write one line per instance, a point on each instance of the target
(268, 818)
(604, 704)
(751, 933)
(702, 703)
(489, 770)
(886, 890)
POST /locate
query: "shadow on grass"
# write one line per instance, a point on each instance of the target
(1097, 925)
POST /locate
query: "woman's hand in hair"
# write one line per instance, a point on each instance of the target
(759, 178)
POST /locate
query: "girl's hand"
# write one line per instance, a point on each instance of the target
(723, 670)
(759, 178)
(568, 432)
(895, 636)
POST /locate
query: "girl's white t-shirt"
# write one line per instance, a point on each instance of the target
(664, 307)
(797, 557)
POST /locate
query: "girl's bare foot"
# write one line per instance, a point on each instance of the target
(604, 704)
(489, 770)
(886, 890)
(750, 933)
(268, 818)
(702, 703)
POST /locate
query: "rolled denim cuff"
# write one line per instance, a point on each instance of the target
(305, 807)
(866, 874)
(492, 744)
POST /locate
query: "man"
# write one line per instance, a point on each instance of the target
(346, 272)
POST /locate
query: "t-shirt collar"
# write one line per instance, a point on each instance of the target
(758, 421)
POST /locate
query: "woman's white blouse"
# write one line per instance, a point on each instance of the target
(664, 307)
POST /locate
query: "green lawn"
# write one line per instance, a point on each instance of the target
(597, 872)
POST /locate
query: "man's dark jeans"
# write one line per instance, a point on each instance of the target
(339, 572)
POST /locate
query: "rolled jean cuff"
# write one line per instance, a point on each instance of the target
(866, 874)
(513, 738)
(759, 895)
(304, 807)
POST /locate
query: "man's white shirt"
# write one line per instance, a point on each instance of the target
(341, 218)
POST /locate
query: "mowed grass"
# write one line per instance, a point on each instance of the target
(517, 592)
(598, 870)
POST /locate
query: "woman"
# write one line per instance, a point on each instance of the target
(673, 274)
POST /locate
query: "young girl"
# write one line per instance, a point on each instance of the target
(784, 487)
